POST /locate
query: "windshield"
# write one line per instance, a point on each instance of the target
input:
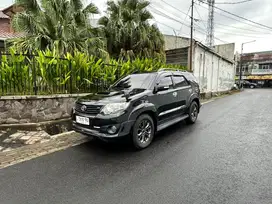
(135, 81)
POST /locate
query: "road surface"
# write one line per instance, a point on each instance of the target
(226, 157)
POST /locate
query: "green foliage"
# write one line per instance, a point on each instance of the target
(77, 73)
(60, 25)
(128, 31)
(64, 26)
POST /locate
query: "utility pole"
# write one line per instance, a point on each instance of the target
(192, 35)
(242, 50)
(240, 74)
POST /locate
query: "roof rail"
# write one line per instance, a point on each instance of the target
(170, 69)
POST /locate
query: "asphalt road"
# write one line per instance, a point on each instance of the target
(226, 157)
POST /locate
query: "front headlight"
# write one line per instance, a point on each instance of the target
(113, 108)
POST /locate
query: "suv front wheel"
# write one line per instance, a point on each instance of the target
(193, 113)
(143, 132)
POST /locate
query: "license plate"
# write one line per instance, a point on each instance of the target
(82, 120)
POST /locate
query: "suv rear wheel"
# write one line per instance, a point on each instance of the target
(193, 113)
(143, 132)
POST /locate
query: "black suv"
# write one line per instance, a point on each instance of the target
(138, 106)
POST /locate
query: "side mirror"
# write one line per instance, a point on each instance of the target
(161, 88)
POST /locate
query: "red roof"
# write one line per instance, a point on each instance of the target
(6, 35)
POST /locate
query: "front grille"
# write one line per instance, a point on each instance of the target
(90, 109)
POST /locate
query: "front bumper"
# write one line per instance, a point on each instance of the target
(124, 130)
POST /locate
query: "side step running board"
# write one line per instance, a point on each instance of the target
(172, 122)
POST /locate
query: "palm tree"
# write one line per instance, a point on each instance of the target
(128, 31)
(62, 25)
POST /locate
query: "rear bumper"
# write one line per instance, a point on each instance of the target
(124, 130)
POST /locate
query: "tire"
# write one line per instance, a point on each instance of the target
(143, 132)
(193, 113)
(252, 87)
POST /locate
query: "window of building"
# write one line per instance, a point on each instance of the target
(264, 66)
(180, 81)
(244, 68)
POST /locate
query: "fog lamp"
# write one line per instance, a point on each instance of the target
(112, 129)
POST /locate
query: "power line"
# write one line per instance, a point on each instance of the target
(175, 8)
(238, 28)
(201, 30)
(234, 34)
(241, 17)
(238, 2)
(176, 30)
(200, 18)
(237, 34)
(185, 18)
(160, 13)
(245, 29)
(238, 20)
(187, 34)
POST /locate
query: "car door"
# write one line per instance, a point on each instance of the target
(184, 90)
(165, 100)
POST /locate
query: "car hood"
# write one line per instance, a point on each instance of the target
(111, 96)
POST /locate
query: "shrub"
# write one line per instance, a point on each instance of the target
(47, 73)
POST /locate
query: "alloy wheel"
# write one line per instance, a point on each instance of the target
(194, 113)
(144, 131)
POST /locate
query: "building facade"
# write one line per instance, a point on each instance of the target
(214, 68)
(256, 67)
(175, 42)
(6, 30)
(215, 73)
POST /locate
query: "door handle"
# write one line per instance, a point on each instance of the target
(175, 94)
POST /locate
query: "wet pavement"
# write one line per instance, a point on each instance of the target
(226, 157)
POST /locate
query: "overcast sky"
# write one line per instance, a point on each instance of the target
(257, 10)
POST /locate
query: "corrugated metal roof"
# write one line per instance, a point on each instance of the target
(7, 35)
(2, 15)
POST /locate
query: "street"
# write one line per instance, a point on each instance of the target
(226, 157)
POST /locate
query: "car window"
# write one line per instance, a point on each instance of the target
(180, 81)
(190, 77)
(166, 81)
(135, 81)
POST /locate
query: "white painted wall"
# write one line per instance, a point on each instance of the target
(174, 42)
(225, 50)
(213, 73)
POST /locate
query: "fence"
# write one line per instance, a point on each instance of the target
(37, 75)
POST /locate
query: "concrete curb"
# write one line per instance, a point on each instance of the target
(219, 97)
(59, 142)
(22, 126)
(62, 134)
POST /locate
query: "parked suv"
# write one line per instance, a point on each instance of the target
(138, 106)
